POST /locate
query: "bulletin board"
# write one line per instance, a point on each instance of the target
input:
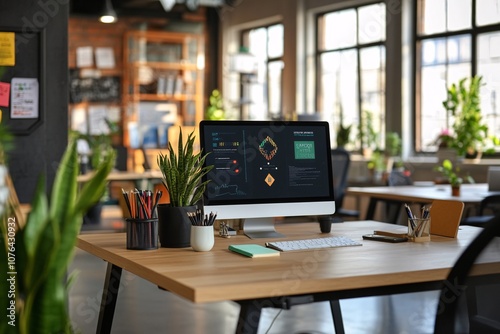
(22, 75)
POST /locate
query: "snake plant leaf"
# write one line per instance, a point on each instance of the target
(65, 185)
(36, 219)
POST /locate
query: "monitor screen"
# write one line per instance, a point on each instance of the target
(267, 169)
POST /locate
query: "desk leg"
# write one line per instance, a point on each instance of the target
(338, 323)
(370, 212)
(248, 321)
(109, 296)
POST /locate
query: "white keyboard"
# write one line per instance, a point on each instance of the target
(316, 243)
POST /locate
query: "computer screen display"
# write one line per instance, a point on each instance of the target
(267, 169)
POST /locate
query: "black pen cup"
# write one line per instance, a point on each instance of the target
(142, 234)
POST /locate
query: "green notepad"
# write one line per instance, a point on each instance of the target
(253, 250)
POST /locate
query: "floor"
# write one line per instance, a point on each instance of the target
(143, 308)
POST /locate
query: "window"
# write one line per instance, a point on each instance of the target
(455, 39)
(262, 91)
(350, 56)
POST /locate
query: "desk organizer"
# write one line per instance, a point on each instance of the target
(142, 234)
(419, 229)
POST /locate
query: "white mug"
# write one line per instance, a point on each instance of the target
(202, 238)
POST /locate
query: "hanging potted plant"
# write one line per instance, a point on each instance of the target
(463, 103)
(182, 177)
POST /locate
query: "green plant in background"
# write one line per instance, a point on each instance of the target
(343, 134)
(183, 171)
(100, 145)
(366, 131)
(452, 174)
(393, 144)
(44, 247)
(463, 103)
(215, 109)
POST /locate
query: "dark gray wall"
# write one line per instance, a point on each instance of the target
(38, 145)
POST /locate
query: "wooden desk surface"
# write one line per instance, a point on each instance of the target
(222, 275)
(469, 193)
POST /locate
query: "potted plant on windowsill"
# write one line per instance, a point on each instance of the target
(463, 103)
(182, 177)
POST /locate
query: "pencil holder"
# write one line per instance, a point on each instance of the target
(142, 234)
(419, 229)
(202, 238)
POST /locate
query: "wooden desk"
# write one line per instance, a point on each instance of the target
(469, 194)
(375, 268)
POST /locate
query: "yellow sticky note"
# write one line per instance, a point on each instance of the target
(7, 49)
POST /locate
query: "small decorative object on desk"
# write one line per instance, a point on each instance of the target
(419, 227)
(142, 226)
(202, 230)
(223, 230)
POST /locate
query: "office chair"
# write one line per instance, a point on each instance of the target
(457, 279)
(341, 161)
(489, 204)
(393, 208)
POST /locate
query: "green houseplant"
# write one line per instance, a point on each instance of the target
(44, 247)
(463, 103)
(182, 172)
(215, 109)
(452, 175)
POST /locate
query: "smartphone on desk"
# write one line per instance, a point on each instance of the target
(384, 238)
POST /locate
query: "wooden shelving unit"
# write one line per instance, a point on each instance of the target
(160, 68)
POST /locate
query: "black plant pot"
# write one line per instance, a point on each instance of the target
(174, 226)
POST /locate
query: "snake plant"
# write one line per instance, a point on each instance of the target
(44, 247)
(183, 172)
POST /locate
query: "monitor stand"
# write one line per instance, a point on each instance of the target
(256, 228)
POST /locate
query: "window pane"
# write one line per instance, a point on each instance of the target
(433, 16)
(255, 45)
(489, 69)
(372, 23)
(340, 29)
(438, 72)
(275, 41)
(459, 14)
(339, 89)
(487, 12)
(275, 70)
(373, 86)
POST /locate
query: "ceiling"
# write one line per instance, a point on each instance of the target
(147, 8)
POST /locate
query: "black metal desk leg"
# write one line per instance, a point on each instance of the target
(248, 322)
(370, 212)
(109, 296)
(338, 323)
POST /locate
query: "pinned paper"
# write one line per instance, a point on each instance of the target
(7, 49)
(104, 58)
(4, 94)
(24, 98)
(84, 56)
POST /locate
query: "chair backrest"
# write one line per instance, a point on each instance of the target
(398, 178)
(490, 205)
(447, 307)
(341, 160)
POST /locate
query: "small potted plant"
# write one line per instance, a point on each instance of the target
(453, 177)
(182, 177)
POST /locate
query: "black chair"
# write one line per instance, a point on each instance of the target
(341, 161)
(454, 284)
(393, 208)
(488, 207)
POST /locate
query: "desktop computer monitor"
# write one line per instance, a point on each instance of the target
(267, 169)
